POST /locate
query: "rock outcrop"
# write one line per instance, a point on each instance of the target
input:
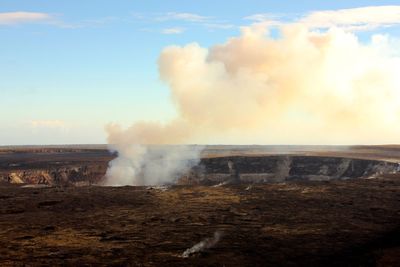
(65, 175)
(282, 168)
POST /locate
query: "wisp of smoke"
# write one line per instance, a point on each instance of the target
(305, 86)
(205, 244)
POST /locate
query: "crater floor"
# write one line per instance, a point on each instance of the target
(331, 223)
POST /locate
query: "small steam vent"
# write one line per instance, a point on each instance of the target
(233, 172)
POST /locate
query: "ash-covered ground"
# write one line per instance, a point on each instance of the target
(292, 222)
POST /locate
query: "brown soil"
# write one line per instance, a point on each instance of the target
(335, 223)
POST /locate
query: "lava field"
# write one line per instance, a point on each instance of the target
(351, 220)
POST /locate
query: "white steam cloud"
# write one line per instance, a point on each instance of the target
(142, 161)
(304, 87)
(150, 165)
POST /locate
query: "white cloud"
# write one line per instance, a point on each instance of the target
(22, 17)
(352, 19)
(191, 17)
(19, 17)
(262, 17)
(186, 19)
(363, 18)
(175, 30)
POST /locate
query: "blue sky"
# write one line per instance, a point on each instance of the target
(92, 62)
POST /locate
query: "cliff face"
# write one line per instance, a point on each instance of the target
(53, 166)
(210, 171)
(65, 175)
(285, 168)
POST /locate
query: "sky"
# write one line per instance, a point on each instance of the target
(69, 67)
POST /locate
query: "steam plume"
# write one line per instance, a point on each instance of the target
(205, 244)
(142, 161)
(260, 89)
(304, 87)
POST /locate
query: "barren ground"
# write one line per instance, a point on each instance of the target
(331, 223)
(334, 223)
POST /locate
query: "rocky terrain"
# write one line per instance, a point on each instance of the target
(331, 223)
(284, 168)
(79, 165)
(53, 166)
(304, 208)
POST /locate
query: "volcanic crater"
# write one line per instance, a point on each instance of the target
(319, 208)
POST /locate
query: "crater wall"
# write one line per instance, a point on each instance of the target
(64, 175)
(284, 168)
(210, 171)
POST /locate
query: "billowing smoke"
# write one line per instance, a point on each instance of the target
(293, 85)
(302, 87)
(151, 165)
